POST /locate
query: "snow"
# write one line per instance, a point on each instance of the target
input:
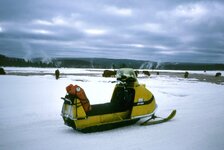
(30, 118)
(94, 71)
(51, 70)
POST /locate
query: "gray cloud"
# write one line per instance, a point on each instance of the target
(191, 31)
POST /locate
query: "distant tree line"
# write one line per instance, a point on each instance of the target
(105, 63)
(19, 62)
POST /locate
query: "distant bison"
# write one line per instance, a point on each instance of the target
(2, 71)
(109, 73)
(186, 74)
(57, 74)
(136, 73)
(218, 74)
(146, 73)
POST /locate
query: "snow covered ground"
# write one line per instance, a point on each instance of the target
(30, 114)
(93, 71)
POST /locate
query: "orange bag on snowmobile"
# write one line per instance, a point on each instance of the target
(80, 94)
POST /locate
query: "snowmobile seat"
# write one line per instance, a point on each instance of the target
(99, 109)
(122, 100)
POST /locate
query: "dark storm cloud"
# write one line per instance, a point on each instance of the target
(160, 30)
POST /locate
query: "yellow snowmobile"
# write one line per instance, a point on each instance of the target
(130, 102)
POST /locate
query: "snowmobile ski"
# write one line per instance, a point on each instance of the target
(161, 120)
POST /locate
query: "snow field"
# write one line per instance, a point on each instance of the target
(30, 115)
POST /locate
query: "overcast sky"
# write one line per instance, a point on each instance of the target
(161, 30)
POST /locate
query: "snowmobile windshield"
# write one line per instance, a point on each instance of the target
(125, 73)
